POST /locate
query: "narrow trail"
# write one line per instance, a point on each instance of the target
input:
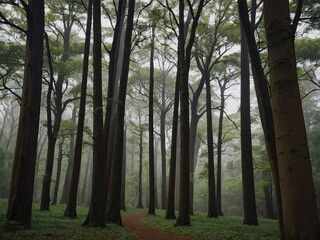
(144, 232)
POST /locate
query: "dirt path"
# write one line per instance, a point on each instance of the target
(145, 232)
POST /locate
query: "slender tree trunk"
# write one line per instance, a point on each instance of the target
(219, 157)
(212, 201)
(113, 203)
(140, 205)
(85, 180)
(249, 201)
(59, 165)
(151, 209)
(115, 65)
(123, 173)
(264, 103)
(70, 210)
(96, 215)
(170, 213)
(300, 217)
(22, 179)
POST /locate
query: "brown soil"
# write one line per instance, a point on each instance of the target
(144, 232)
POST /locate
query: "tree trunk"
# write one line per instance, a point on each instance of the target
(300, 217)
(113, 203)
(262, 91)
(249, 201)
(219, 155)
(151, 207)
(212, 201)
(85, 192)
(115, 65)
(123, 173)
(22, 179)
(140, 205)
(70, 210)
(57, 183)
(170, 213)
(96, 215)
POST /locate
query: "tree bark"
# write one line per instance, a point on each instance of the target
(22, 179)
(300, 217)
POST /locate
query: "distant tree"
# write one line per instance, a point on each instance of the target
(21, 188)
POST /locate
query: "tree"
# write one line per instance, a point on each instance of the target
(72, 200)
(151, 209)
(113, 202)
(300, 218)
(96, 214)
(249, 202)
(21, 188)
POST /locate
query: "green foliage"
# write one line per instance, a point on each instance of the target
(52, 225)
(308, 48)
(222, 228)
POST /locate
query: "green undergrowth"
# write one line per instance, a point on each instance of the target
(222, 228)
(52, 225)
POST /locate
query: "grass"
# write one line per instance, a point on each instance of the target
(52, 225)
(222, 228)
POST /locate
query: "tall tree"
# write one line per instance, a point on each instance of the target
(300, 218)
(113, 202)
(263, 97)
(184, 59)
(55, 107)
(151, 209)
(70, 210)
(212, 201)
(249, 201)
(21, 188)
(96, 215)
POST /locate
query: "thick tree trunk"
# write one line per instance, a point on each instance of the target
(300, 217)
(22, 179)
(249, 201)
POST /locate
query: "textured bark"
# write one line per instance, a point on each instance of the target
(113, 203)
(140, 205)
(96, 215)
(300, 217)
(70, 210)
(249, 201)
(22, 179)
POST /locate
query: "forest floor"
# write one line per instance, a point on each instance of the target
(145, 232)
